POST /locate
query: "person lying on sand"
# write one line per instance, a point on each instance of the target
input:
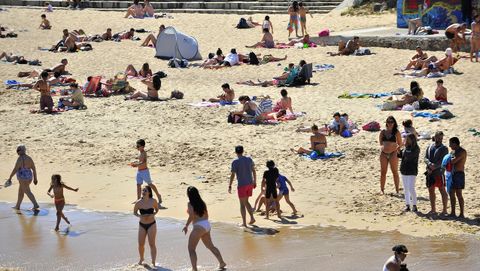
(226, 97)
(59, 68)
(5, 33)
(45, 24)
(230, 60)
(266, 42)
(107, 35)
(414, 25)
(76, 99)
(125, 35)
(305, 39)
(409, 98)
(318, 143)
(151, 39)
(251, 23)
(348, 48)
(153, 86)
(431, 68)
(135, 10)
(275, 81)
(144, 72)
(19, 59)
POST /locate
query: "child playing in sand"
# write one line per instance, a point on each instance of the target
(143, 174)
(57, 186)
(45, 24)
(302, 11)
(441, 92)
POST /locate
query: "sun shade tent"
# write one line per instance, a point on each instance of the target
(174, 44)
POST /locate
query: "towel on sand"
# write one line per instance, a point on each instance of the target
(327, 155)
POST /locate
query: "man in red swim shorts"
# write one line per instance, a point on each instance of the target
(433, 158)
(244, 168)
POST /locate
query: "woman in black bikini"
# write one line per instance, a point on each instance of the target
(390, 141)
(146, 208)
(318, 143)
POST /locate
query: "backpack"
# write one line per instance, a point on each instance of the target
(242, 23)
(424, 103)
(253, 58)
(160, 74)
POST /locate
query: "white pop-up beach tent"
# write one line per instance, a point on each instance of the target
(174, 44)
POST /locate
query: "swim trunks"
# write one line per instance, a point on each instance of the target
(245, 191)
(46, 101)
(458, 180)
(303, 19)
(143, 176)
(449, 35)
(269, 44)
(435, 180)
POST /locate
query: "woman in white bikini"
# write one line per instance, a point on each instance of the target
(25, 171)
(198, 216)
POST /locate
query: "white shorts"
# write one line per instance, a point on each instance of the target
(143, 176)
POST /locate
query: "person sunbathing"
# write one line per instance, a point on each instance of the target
(153, 86)
(148, 10)
(304, 39)
(59, 68)
(414, 25)
(266, 42)
(251, 23)
(13, 58)
(76, 99)
(71, 46)
(226, 97)
(151, 40)
(144, 72)
(348, 48)
(441, 92)
(318, 143)
(135, 10)
(416, 62)
(232, 59)
(430, 69)
(125, 35)
(249, 108)
(107, 35)
(270, 58)
(285, 103)
(447, 62)
(409, 98)
(275, 81)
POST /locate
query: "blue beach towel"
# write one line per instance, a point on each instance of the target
(322, 67)
(448, 174)
(426, 115)
(314, 155)
(12, 82)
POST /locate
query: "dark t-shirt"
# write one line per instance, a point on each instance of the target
(271, 177)
(409, 165)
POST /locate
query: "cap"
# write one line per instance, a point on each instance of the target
(400, 249)
(239, 149)
(448, 51)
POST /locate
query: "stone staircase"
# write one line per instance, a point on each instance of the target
(194, 6)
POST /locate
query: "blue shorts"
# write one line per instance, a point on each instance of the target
(283, 190)
(143, 176)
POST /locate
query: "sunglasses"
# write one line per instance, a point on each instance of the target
(390, 122)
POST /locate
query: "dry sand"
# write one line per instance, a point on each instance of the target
(91, 148)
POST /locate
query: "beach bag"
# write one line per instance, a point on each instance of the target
(253, 58)
(346, 133)
(231, 118)
(177, 63)
(242, 23)
(372, 126)
(176, 95)
(160, 74)
(324, 33)
(424, 104)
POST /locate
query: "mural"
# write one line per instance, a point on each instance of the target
(435, 13)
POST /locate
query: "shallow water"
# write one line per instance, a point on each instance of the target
(106, 241)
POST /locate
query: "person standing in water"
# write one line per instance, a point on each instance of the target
(244, 169)
(57, 186)
(146, 208)
(25, 171)
(143, 174)
(394, 263)
(198, 216)
(459, 157)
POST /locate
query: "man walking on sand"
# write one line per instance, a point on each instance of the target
(244, 168)
(433, 159)
(459, 157)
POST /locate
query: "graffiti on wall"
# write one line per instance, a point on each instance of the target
(435, 13)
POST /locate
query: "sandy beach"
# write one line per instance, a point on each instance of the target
(195, 146)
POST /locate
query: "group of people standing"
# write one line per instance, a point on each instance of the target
(437, 159)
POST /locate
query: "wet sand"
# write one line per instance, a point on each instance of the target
(107, 241)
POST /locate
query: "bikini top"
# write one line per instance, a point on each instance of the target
(391, 137)
(148, 211)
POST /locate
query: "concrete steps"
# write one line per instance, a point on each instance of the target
(194, 6)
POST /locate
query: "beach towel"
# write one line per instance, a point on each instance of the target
(357, 95)
(322, 67)
(210, 104)
(425, 115)
(447, 168)
(12, 83)
(328, 155)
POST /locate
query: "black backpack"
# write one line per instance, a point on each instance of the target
(253, 58)
(242, 23)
